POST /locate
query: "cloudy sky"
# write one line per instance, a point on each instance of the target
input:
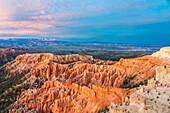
(122, 21)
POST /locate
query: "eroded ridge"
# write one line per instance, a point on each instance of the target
(76, 83)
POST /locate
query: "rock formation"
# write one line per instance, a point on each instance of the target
(163, 74)
(76, 83)
(163, 54)
(7, 54)
(153, 97)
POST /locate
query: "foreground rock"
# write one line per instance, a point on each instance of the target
(152, 98)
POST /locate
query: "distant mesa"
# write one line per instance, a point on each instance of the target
(48, 39)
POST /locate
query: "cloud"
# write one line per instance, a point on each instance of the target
(20, 32)
(25, 24)
(6, 38)
(68, 9)
(29, 17)
(26, 32)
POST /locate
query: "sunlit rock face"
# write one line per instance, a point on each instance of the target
(163, 54)
(153, 97)
(163, 74)
(77, 83)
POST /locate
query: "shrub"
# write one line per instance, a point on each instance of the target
(104, 110)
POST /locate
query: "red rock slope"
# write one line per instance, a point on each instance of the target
(76, 83)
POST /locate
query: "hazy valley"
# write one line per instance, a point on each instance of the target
(99, 50)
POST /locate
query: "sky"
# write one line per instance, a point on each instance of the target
(117, 21)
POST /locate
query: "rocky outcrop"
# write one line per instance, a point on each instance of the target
(6, 51)
(139, 69)
(56, 96)
(78, 83)
(163, 54)
(152, 98)
(163, 74)
(7, 54)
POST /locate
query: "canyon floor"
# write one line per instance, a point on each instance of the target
(45, 83)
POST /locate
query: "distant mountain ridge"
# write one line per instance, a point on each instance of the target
(99, 50)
